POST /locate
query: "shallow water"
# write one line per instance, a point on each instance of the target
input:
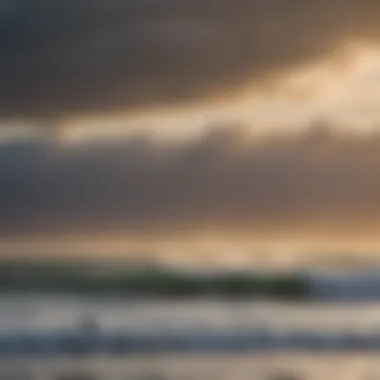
(54, 312)
(260, 367)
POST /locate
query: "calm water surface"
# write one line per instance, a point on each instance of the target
(264, 367)
(53, 312)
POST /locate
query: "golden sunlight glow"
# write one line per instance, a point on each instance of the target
(346, 92)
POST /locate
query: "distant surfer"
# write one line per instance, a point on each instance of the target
(89, 326)
(88, 335)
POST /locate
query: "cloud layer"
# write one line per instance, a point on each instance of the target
(224, 181)
(64, 58)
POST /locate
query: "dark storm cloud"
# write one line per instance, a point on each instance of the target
(62, 58)
(223, 180)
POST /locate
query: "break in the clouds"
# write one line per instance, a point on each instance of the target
(64, 58)
(315, 181)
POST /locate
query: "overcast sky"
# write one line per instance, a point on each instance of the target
(317, 185)
(173, 67)
(64, 58)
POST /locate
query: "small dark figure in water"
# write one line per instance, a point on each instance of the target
(89, 326)
(88, 335)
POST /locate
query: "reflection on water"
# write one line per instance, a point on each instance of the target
(264, 367)
(50, 313)
(56, 312)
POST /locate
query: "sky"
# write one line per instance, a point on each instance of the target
(347, 96)
(182, 126)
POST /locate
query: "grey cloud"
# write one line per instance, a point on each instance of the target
(64, 58)
(223, 180)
